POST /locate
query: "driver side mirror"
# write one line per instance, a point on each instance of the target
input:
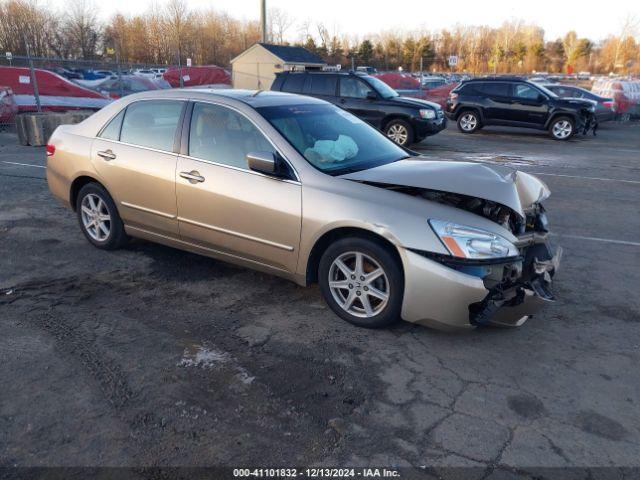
(541, 98)
(371, 95)
(262, 162)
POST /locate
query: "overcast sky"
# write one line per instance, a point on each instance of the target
(593, 19)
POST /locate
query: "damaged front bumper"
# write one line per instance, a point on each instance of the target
(587, 122)
(523, 290)
(451, 294)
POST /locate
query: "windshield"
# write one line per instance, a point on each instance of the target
(382, 88)
(332, 140)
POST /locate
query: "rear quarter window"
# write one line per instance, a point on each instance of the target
(112, 130)
(294, 83)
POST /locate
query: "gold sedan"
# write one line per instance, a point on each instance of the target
(299, 188)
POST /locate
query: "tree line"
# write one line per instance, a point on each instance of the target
(173, 32)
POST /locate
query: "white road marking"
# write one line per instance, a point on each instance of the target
(586, 178)
(23, 164)
(597, 239)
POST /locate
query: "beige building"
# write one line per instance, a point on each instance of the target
(256, 67)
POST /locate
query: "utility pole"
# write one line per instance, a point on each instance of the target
(263, 20)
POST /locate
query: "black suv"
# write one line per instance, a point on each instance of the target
(404, 120)
(516, 102)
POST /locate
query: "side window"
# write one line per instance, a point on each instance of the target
(323, 84)
(525, 92)
(152, 124)
(222, 135)
(353, 88)
(294, 82)
(112, 130)
(494, 89)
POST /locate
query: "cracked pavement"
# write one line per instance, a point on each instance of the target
(150, 356)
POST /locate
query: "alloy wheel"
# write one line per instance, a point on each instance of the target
(359, 284)
(562, 129)
(398, 133)
(96, 218)
(468, 122)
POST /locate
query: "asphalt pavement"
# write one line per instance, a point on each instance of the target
(153, 356)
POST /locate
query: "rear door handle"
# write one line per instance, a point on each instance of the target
(193, 176)
(107, 155)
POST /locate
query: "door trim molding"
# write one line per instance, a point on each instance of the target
(232, 258)
(263, 241)
(147, 210)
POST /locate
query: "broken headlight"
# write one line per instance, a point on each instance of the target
(471, 242)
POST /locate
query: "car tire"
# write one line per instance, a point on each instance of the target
(400, 132)
(562, 128)
(369, 303)
(99, 219)
(468, 121)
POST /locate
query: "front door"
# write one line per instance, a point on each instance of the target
(353, 98)
(529, 105)
(223, 205)
(134, 157)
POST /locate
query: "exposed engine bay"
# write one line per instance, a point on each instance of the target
(510, 280)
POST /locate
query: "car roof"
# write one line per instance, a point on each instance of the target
(253, 98)
(326, 72)
(498, 79)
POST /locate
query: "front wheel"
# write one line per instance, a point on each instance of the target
(400, 132)
(561, 128)
(362, 282)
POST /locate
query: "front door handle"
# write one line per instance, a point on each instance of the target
(193, 176)
(107, 155)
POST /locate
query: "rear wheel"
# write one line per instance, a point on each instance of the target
(562, 128)
(99, 219)
(468, 121)
(400, 132)
(362, 282)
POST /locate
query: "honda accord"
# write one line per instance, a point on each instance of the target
(299, 188)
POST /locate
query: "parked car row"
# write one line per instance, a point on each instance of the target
(563, 111)
(404, 120)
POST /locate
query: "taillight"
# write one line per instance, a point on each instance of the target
(609, 105)
(51, 149)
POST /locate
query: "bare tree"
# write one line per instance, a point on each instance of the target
(82, 28)
(279, 22)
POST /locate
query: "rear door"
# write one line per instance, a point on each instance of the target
(497, 101)
(353, 94)
(134, 156)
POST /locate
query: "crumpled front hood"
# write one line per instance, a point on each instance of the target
(500, 184)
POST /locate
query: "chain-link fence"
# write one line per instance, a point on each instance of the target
(20, 90)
